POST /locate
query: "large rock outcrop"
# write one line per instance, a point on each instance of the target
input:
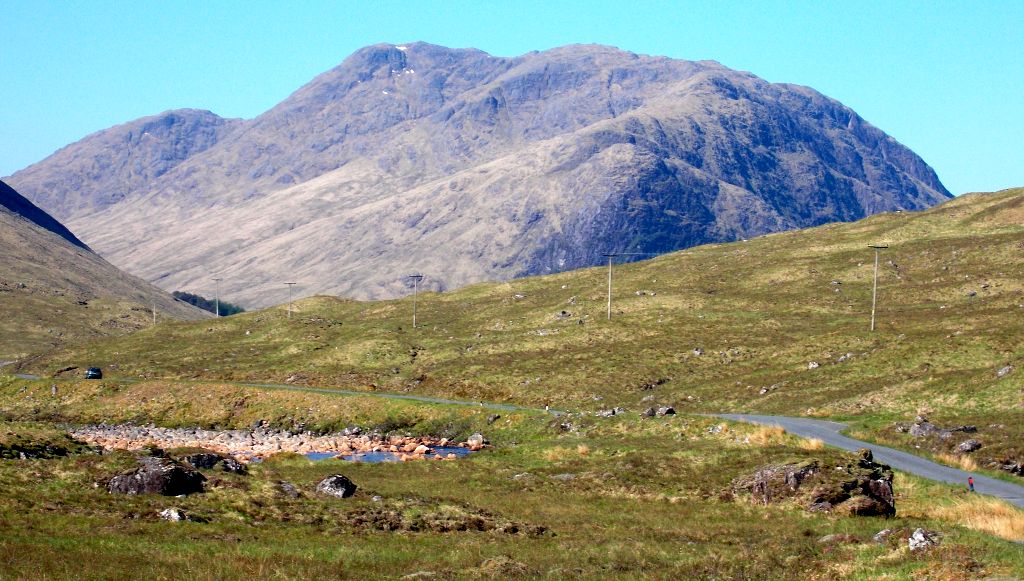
(858, 487)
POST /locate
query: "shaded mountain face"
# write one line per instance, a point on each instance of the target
(469, 167)
(53, 289)
(16, 205)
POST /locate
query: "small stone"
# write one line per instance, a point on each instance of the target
(336, 485)
(475, 442)
(922, 539)
(813, 365)
(203, 460)
(923, 428)
(173, 514)
(1004, 371)
(420, 575)
(882, 536)
(968, 446)
(666, 411)
(837, 538)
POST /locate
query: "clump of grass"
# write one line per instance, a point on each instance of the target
(767, 436)
(983, 513)
(583, 450)
(963, 462)
(811, 444)
(558, 454)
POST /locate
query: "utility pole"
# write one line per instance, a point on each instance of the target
(416, 278)
(611, 256)
(290, 285)
(217, 296)
(874, 285)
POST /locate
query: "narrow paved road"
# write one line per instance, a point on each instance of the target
(828, 432)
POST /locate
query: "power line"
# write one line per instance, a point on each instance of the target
(611, 256)
(874, 285)
(416, 278)
(216, 298)
(290, 285)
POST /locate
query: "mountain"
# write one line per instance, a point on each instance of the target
(14, 204)
(54, 290)
(468, 167)
(106, 167)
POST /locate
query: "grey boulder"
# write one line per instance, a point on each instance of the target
(336, 485)
(158, 476)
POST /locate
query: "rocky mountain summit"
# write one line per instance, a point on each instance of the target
(470, 167)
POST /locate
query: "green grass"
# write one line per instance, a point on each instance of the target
(644, 501)
(646, 497)
(761, 310)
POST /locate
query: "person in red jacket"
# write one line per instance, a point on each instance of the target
(970, 484)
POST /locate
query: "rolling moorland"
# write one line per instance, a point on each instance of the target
(471, 167)
(776, 324)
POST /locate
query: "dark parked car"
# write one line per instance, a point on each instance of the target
(94, 373)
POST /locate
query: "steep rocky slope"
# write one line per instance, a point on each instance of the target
(54, 290)
(469, 167)
(106, 167)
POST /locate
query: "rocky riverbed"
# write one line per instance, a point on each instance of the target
(261, 442)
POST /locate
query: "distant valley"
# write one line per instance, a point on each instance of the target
(468, 167)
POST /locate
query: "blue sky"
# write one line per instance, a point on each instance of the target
(944, 78)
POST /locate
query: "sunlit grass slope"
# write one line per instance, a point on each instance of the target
(950, 315)
(774, 324)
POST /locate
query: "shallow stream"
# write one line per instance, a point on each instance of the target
(374, 457)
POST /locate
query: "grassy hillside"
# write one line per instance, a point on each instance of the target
(622, 497)
(54, 291)
(762, 312)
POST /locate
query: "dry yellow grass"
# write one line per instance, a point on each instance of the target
(973, 511)
(962, 462)
(812, 444)
(583, 450)
(767, 436)
(558, 454)
(983, 513)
